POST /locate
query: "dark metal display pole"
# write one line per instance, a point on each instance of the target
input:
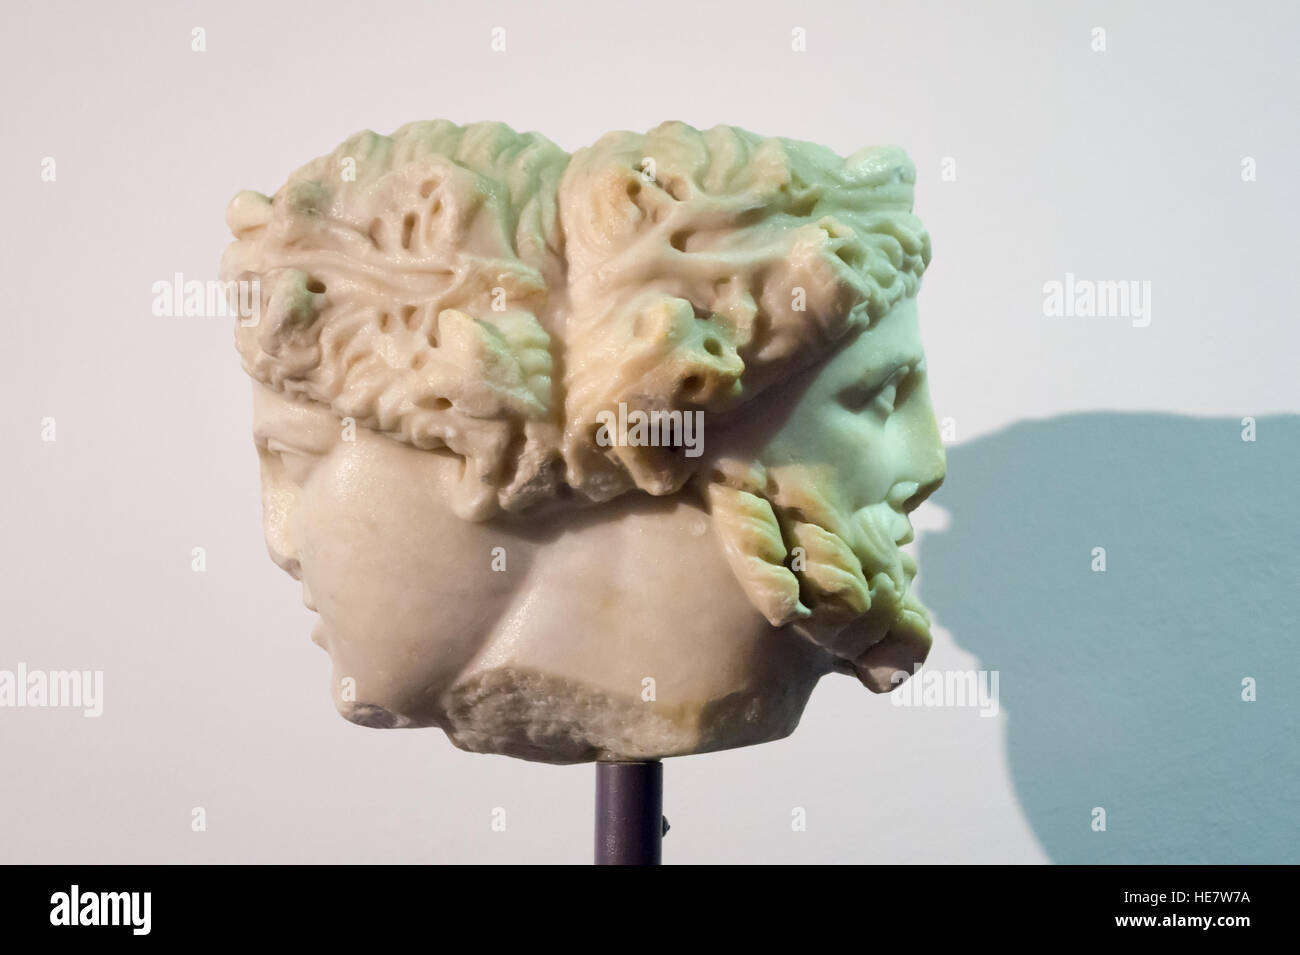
(630, 823)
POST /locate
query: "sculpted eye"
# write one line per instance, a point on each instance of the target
(886, 398)
(297, 464)
(879, 399)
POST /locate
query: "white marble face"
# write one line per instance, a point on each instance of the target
(404, 587)
(429, 617)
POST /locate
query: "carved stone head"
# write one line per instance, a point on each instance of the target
(592, 456)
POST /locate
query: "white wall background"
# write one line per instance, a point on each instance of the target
(1122, 164)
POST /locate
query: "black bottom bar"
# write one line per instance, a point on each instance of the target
(629, 813)
(1035, 905)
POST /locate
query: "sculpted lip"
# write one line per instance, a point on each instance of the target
(318, 628)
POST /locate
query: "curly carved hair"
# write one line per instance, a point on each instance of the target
(479, 289)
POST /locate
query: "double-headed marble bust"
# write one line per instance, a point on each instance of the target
(606, 455)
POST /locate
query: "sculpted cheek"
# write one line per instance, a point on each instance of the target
(405, 588)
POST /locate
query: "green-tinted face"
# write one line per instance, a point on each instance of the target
(864, 420)
(848, 449)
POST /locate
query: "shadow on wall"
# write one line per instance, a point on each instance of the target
(1123, 689)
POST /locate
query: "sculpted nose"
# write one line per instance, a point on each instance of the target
(920, 470)
(908, 495)
(923, 462)
(281, 548)
(931, 468)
